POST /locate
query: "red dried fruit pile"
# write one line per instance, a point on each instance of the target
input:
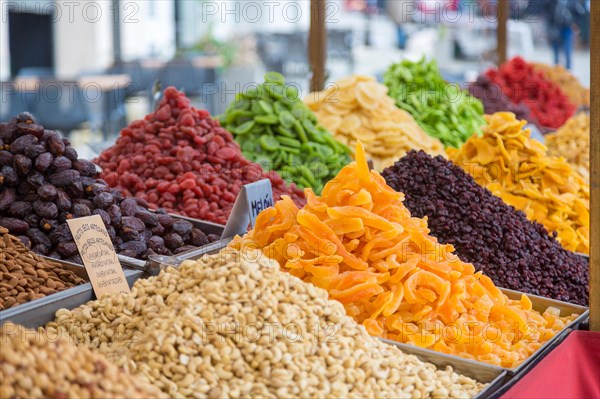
(181, 159)
(522, 83)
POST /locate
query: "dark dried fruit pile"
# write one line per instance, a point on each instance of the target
(494, 100)
(181, 159)
(499, 240)
(43, 183)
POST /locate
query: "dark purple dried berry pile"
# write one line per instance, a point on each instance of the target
(494, 100)
(499, 240)
(43, 183)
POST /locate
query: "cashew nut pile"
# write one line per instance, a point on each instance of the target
(236, 326)
(35, 365)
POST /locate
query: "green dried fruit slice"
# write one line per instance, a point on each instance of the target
(265, 107)
(266, 119)
(269, 143)
(274, 77)
(288, 142)
(245, 127)
(286, 119)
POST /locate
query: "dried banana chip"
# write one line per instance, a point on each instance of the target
(358, 108)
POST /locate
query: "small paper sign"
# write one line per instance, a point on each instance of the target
(252, 199)
(99, 256)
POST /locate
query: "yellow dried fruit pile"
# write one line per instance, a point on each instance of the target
(568, 83)
(572, 141)
(358, 108)
(359, 242)
(518, 169)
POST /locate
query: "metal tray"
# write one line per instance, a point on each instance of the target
(482, 372)
(538, 303)
(37, 313)
(41, 311)
(208, 249)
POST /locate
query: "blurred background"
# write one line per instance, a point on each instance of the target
(89, 67)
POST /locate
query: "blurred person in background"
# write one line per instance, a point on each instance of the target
(560, 15)
(582, 20)
(398, 11)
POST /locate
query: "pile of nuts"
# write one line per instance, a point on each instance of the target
(25, 276)
(34, 365)
(234, 325)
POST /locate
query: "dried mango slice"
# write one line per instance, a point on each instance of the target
(520, 170)
(359, 242)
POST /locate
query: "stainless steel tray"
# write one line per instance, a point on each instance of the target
(208, 249)
(482, 372)
(41, 311)
(37, 313)
(538, 303)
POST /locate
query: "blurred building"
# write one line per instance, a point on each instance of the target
(72, 37)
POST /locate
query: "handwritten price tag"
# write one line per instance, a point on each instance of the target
(99, 256)
(252, 199)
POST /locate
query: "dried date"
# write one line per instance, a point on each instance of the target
(14, 226)
(64, 178)
(45, 209)
(7, 198)
(20, 209)
(47, 192)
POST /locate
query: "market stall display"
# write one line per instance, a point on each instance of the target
(516, 168)
(443, 110)
(44, 183)
(358, 108)
(26, 276)
(499, 240)
(276, 129)
(234, 325)
(522, 83)
(494, 100)
(572, 141)
(34, 365)
(567, 82)
(180, 159)
(361, 244)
